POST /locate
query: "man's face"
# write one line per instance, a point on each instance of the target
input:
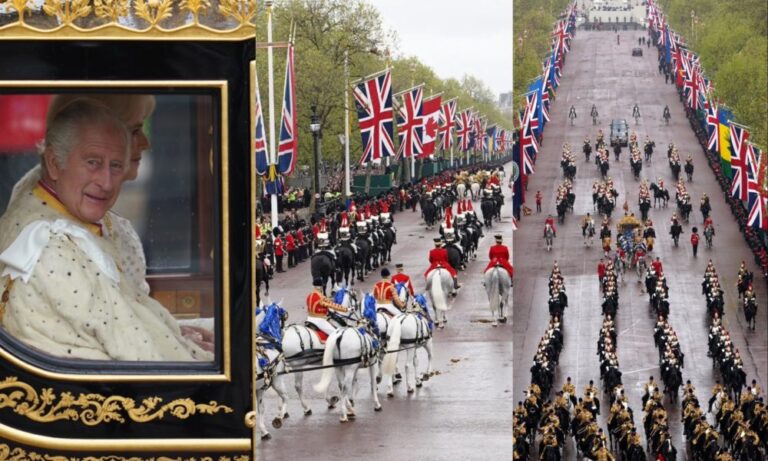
(89, 183)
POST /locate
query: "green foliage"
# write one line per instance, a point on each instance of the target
(731, 37)
(533, 23)
(325, 29)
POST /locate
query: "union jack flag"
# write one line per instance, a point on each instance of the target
(713, 123)
(691, 85)
(374, 112)
(478, 131)
(410, 123)
(561, 39)
(501, 139)
(463, 129)
(259, 136)
(447, 116)
(758, 214)
(287, 151)
(739, 163)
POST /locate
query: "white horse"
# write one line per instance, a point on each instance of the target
(439, 287)
(346, 350)
(302, 347)
(269, 366)
(461, 190)
(383, 319)
(497, 285)
(474, 189)
(589, 234)
(549, 235)
(412, 330)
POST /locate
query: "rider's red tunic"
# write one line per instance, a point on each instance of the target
(438, 257)
(405, 279)
(499, 254)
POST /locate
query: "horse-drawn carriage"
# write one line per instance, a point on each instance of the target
(192, 205)
(629, 237)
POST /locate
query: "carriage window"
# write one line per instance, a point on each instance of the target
(129, 217)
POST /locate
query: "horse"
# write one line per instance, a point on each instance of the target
(746, 281)
(302, 345)
(562, 208)
(549, 234)
(429, 212)
(363, 256)
(439, 286)
(642, 266)
(387, 241)
(620, 266)
(345, 264)
(689, 171)
(488, 207)
(659, 195)
(414, 329)
(588, 232)
(347, 349)
(461, 190)
(676, 230)
(497, 283)
(637, 167)
(323, 266)
(269, 364)
(709, 232)
(474, 189)
(750, 312)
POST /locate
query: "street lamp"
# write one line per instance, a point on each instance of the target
(315, 128)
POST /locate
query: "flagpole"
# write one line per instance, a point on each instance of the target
(271, 84)
(347, 189)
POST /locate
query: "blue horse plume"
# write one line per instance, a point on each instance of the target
(270, 324)
(339, 297)
(422, 301)
(369, 312)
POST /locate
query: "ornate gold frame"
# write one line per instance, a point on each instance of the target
(149, 19)
(8, 453)
(221, 86)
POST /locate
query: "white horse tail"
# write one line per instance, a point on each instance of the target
(438, 294)
(393, 344)
(330, 346)
(492, 286)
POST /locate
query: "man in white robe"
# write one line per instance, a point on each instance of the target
(61, 277)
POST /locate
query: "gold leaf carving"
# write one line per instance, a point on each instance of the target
(112, 9)
(242, 10)
(94, 409)
(154, 11)
(9, 453)
(68, 10)
(16, 5)
(194, 6)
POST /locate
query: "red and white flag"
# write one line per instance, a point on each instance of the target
(431, 117)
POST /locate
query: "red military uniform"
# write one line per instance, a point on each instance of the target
(404, 279)
(601, 270)
(278, 244)
(384, 292)
(318, 305)
(315, 230)
(290, 243)
(438, 257)
(708, 222)
(656, 264)
(499, 254)
(300, 237)
(551, 221)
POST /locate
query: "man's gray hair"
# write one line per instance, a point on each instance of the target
(62, 134)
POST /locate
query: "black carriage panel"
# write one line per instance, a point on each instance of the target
(190, 206)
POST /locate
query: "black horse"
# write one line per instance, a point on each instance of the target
(387, 240)
(345, 264)
(689, 170)
(750, 312)
(645, 207)
(429, 212)
(363, 256)
(488, 207)
(324, 267)
(637, 167)
(659, 195)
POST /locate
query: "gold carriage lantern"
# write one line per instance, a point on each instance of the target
(190, 204)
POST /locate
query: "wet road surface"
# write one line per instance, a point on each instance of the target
(464, 412)
(600, 72)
